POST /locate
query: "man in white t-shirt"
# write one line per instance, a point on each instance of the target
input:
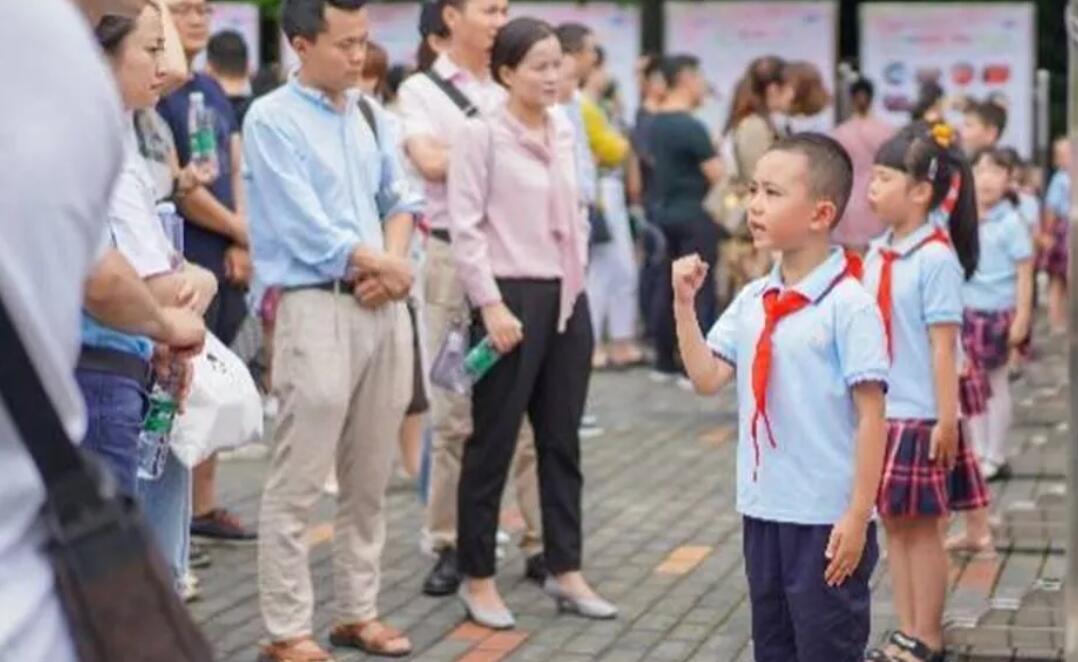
(431, 119)
(53, 198)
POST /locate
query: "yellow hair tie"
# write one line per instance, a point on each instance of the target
(943, 134)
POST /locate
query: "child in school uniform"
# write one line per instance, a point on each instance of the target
(806, 347)
(998, 301)
(1055, 240)
(916, 271)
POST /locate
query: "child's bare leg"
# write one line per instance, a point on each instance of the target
(411, 443)
(925, 552)
(901, 571)
(1057, 305)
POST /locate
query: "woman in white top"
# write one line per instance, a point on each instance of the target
(134, 48)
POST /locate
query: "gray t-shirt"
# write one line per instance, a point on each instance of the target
(57, 170)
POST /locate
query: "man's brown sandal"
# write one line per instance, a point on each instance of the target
(299, 649)
(373, 638)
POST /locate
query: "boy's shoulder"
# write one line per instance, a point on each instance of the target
(850, 296)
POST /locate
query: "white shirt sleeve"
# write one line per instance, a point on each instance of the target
(133, 223)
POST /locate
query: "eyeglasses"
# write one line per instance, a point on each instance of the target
(200, 9)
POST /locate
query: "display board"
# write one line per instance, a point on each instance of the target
(972, 50)
(727, 36)
(395, 26)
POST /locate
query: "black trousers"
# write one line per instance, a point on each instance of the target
(545, 377)
(683, 239)
(227, 311)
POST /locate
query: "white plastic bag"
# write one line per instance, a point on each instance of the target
(223, 410)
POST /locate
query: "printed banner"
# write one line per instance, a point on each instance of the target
(972, 50)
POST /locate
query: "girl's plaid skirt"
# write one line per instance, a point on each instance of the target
(986, 337)
(974, 391)
(915, 486)
(1053, 261)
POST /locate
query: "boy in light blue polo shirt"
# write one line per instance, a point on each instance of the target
(806, 346)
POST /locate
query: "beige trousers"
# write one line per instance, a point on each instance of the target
(451, 415)
(342, 400)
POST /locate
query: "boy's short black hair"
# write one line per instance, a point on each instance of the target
(227, 53)
(307, 18)
(830, 170)
(990, 114)
(573, 37)
(862, 86)
(673, 66)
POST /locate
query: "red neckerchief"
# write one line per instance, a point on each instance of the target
(883, 295)
(776, 308)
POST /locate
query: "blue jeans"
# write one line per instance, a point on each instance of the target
(115, 407)
(166, 505)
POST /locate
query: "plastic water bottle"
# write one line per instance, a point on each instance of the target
(456, 368)
(153, 440)
(481, 359)
(172, 224)
(202, 129)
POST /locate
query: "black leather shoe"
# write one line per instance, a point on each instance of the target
(444, 578)
(535, 569)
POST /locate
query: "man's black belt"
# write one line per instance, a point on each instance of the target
(344, 287)
(115, 362)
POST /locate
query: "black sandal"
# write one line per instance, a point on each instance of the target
(878, 654)
(916, 648)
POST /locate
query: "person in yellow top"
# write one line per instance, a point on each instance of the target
(612, 271)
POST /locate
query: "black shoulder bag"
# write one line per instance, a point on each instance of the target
(118, 594)
(453, 92)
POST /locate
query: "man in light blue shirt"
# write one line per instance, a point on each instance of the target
(331, 219)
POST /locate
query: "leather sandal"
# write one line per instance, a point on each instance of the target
(299, 649)
(372, 637)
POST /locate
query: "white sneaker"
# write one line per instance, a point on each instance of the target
(190, 588)
(660, 377)
(685, 384)
(590, 431)
(331, 487)
(270, 406)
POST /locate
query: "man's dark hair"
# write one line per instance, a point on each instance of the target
(989, 113)
(673, 66)
(863, 87)
(227, 53)
(307, 18)
(573, 37)
(830, 170)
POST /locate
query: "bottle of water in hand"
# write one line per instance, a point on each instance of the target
(201, 127)
(153, 440)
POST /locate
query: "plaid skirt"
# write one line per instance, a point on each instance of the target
(986, 337)
(1054, 260)
(915, 486)
(974, 390)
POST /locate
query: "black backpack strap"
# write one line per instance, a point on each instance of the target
(368, 114)
(453, 92)
(32, 411)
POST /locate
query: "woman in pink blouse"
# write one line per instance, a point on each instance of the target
(519, 235)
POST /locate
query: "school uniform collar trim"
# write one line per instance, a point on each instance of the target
(999, 211)
(815, 285)
(907, 244)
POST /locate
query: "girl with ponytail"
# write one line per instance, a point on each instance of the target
(923, 191)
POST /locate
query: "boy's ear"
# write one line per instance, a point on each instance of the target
(824, 216)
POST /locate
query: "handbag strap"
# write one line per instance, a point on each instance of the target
(453, 92)
(33, 413)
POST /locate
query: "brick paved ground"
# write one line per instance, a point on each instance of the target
(662, 541)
